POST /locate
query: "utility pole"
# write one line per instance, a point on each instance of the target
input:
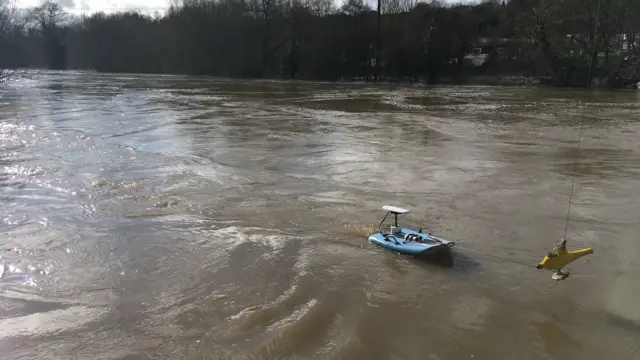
(378, 48)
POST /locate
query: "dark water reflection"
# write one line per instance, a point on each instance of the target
(156, 217)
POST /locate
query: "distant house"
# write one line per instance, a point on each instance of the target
(483, 47)
(476, 57)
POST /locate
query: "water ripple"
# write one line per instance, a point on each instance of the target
(160, 217)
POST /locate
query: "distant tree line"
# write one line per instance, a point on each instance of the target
(565, 43)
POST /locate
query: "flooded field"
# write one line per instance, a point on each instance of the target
(166, 217)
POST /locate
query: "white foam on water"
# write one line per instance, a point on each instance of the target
(296, 315)
(234, 236)
(38, 324)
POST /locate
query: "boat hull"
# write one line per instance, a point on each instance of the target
(428, 245)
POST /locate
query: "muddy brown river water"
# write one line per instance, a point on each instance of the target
(168, 217)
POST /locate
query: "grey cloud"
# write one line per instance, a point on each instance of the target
(67, 3)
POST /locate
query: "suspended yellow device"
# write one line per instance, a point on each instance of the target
(557, 259)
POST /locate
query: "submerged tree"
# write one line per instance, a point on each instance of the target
(49, 19)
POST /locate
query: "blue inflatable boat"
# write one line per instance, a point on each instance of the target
(407, 241)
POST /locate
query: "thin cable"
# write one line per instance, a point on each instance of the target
(573, 181)
(495, 257)
(383, 219)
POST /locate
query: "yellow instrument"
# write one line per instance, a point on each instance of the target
(557, 259)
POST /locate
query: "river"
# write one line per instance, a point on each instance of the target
(172, 217)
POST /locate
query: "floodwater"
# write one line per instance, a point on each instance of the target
(167, 217)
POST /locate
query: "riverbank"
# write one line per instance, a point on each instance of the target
(493, 80)
(486, 80)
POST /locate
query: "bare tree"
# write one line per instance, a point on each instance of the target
(48, 15)
(354, 7)
(175, 4)
(7, 13)
(50, 18)
(319, 7)
(397, 6)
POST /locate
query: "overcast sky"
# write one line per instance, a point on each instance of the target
(147, 6)
(80, 6)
